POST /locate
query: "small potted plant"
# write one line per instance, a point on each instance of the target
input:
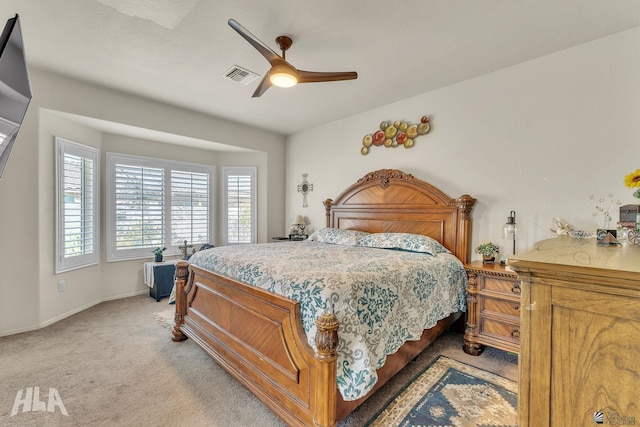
(158, 253)
(488, 251)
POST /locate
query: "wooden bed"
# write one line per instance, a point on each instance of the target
(257, 336)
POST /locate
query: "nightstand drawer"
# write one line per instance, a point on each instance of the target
(504, 286)
(502, 329)
(510, 308)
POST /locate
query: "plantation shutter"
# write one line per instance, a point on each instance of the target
(79, 214)
(139, 206)
(189, 207)
(240, 205)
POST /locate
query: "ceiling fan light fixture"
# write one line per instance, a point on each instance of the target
(282, 76)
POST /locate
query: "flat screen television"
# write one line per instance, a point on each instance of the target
(15, 90)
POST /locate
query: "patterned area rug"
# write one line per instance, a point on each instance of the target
(165, 318)
(451, 393)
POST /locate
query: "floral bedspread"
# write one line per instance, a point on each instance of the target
(382, 297)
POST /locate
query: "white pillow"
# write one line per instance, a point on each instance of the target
(338, 236)
(405, 242)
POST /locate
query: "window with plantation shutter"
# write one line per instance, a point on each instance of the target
(77, 198)
(139, 206)
(239, 205)
(189, 207)
(156, 203)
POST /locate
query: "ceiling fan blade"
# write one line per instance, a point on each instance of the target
(315, 76)
(265, 50)
(265, 84)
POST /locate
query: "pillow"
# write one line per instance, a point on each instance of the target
(338, 236)
(405, 242)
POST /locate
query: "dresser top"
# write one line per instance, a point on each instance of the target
(565, 250)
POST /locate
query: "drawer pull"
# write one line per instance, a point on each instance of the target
(516, 307)
(516, 288)
(515, 333)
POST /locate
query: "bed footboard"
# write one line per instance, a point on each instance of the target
(258, 338)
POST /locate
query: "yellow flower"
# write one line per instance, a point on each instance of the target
(633, 179)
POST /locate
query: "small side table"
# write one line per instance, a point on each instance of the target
(493, 308)
(159, 276)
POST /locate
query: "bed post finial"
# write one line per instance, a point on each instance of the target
(327, 336)
(464, 205)
(326, 340)
(182, 272)
(327, 208)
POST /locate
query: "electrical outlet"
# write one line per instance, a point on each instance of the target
(61, 285)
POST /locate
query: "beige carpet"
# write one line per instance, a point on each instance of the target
(115, 365)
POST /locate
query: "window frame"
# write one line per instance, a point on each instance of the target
(64, 146)
(113, 254)
(239, 170)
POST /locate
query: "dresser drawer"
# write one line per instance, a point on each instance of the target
(510, 308)
(507, 330)
(504, 286)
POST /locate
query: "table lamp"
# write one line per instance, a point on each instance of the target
(510, 230)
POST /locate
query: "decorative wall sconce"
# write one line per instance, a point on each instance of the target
(510, 229)
(305, 188)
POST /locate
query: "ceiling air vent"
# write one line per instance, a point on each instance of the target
(240, 75)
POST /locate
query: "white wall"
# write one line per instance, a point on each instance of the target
(536, 138)
(28, 286)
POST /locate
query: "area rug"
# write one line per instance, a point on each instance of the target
(451, 393)
(165, 318)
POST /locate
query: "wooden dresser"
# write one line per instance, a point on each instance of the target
(493, 308)
(580, 334)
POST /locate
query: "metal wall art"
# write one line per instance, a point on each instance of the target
(398, 133)
(305, 188)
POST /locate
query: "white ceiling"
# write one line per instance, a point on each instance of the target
(176, 51)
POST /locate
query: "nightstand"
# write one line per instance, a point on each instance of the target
(493, 308)
(159, 276)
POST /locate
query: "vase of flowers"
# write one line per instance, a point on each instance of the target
(158, 253)
(633, 181)
(488, 251)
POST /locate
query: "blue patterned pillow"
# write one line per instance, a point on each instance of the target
(338, 236)
(405, 242)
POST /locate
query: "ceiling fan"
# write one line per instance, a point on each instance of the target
(282, 73)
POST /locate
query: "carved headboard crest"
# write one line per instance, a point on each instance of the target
(384, 175)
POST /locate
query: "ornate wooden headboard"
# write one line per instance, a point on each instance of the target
(391, 201)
